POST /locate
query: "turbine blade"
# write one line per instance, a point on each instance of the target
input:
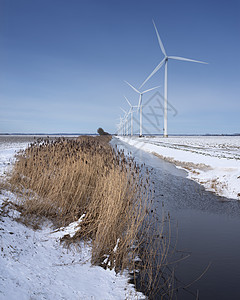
(159, 39)
(132, 87)
(153, 72)
(151, 89)
(123, 110)
(187, 59)
(128, 101)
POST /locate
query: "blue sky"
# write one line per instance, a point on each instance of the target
(63, 63)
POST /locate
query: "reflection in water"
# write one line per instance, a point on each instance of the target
(203, 224)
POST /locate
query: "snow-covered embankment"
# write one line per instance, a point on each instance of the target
(212, 162)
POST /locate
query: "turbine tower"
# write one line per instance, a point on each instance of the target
(131, 113)
(120, 126)
(165, 61)
(140, 106)
(125, 122)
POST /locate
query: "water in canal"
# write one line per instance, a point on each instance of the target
(208, 229)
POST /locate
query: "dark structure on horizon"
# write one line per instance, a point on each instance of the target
(100, 131)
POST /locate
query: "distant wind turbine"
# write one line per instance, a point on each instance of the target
(140, 106)
(131, 113)
(120, 126)
(125, 122)
(165, 60)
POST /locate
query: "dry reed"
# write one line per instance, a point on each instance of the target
(64, 179)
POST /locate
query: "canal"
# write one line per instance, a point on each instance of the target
(206, 228)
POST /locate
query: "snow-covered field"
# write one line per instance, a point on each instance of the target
(213, 161)
(34, 265)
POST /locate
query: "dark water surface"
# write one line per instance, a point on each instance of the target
(207, 226)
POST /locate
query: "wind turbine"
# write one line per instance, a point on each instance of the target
(140, 106)
(120, 126)
(125, 122)
(131, 113)
(165, 61)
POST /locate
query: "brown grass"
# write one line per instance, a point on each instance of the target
(64, 179)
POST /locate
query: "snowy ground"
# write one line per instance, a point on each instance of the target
(213, 162)
(34, 265)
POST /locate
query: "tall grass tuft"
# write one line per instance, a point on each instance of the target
(63, 179)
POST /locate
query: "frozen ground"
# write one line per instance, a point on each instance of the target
(34, 265)
(213, 162)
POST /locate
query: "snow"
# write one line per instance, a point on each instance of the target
(213, 162)
(34, 265)
(70, 230)
(7, 155)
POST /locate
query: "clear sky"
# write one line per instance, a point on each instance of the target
(63, 63)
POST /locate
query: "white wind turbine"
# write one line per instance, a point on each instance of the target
(131, 113)
(140, 106)
(125, 122)
(120, 126)
(165, 60)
